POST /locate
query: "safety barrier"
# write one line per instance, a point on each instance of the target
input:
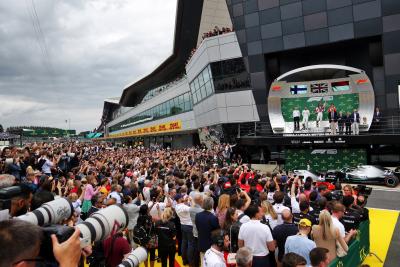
(358, 249)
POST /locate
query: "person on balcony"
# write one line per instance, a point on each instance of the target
(319, 110)
(355, 122)
(333, 118)
(341, 122)
(306, 115)
(296, 119)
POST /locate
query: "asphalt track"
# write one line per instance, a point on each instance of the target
(384, 205)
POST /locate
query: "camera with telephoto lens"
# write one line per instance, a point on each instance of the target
(97, 227)
(135, 257)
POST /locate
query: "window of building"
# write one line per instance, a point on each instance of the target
(202, 86)
(230, 74)
(179, 104)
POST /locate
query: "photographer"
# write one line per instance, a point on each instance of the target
(20, 244)
(17, 199)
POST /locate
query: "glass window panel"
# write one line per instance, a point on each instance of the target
(198, 95)
(208, 88)
(206, 75)
(203, 91)
(186, 97)
(180, 99)
(200, 78)
(194, 98)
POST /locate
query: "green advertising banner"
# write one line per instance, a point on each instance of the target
(47, 133)
(324, 159)
(344, 103)
(358, 250)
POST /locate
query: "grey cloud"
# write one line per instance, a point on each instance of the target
(95, 48)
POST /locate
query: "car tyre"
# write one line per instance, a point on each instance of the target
(391, 181)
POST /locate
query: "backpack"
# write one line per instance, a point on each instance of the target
(40, 164)
(140, 235)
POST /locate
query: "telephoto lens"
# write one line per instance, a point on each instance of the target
(103, 223)
(52, 212)
(134, 258)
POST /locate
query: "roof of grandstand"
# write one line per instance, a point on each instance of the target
(187, 24)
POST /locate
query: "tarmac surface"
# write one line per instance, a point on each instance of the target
(384, 205)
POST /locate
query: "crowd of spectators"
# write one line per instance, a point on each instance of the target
(203, 205)
(216, 31)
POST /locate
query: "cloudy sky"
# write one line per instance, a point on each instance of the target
(83, 52)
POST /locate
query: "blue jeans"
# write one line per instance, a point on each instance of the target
(187, 244)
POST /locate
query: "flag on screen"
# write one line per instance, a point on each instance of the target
(298, 89)
(319, 88)
(340, 86)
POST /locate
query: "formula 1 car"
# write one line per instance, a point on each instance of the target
(318, 178)
(364, 174)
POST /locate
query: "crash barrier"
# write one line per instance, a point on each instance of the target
(358, 249)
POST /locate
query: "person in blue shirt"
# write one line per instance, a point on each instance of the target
(300, 243)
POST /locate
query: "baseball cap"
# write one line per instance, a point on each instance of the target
(305, 222)
(129, 174)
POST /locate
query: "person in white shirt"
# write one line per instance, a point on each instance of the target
(257, 237)
(337, 213)
(214, 256)
(296, 119)
(320, 112)
(278, 206)
(306, 114)
(146, 190)
(241, 206)
(182, 209)
(115, 193)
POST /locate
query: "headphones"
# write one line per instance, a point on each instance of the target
(218, 239)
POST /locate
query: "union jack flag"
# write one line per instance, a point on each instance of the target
(319, 88)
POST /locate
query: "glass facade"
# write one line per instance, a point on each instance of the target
(174, 106)
(202, 86)
(220, 77)
(230, 74)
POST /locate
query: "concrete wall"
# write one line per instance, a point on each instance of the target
(215, 13)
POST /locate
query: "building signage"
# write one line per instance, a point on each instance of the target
(167, 127)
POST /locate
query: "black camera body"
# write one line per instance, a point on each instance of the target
(6, 194)
(62, 232)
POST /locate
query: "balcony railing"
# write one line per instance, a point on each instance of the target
(388, 125)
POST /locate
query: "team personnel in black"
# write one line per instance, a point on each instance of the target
(282, 231)
(351, 218)
(321, 205)
(304, 213)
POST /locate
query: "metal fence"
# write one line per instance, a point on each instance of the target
(388, 125)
